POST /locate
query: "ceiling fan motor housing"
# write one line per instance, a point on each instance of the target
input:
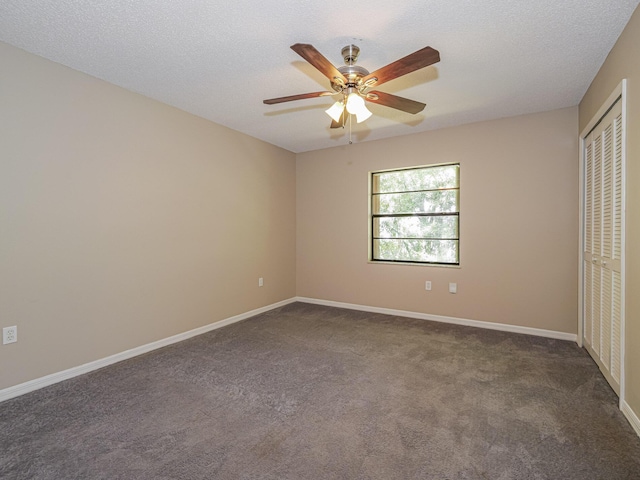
(353, 73)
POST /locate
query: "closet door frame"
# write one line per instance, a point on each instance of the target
(619, 94)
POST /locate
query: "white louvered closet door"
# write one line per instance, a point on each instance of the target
(603, 229)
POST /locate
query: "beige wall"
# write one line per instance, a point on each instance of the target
(624, 62)
(124, 220)
(518, 223)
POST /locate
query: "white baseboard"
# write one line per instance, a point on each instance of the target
(47, 380)
(631, 416)
(439, 318)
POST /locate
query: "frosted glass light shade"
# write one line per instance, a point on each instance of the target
(355, 103)
(335, 111)
(363, 115)
(356, 106)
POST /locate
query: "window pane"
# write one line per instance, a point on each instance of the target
(437, 251)
(445, 176)
(416, 202)
(416, 227)
(414, 214)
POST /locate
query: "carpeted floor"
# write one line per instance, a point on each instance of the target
(313, 392)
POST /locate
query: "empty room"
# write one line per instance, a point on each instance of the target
(300, 240)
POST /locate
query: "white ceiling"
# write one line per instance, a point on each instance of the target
(220, 58)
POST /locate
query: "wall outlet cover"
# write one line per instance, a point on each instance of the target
(9, 335)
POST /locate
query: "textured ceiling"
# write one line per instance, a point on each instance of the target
(219, 59)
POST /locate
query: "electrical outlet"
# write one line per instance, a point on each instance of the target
(260, 282)
(427, 285)
(9, 335)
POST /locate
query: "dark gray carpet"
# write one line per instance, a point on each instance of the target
(312, 392)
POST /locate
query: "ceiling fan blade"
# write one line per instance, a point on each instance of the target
(302, 96)
(315, 58)
(417, 60)
(339, 123)
(393, 101)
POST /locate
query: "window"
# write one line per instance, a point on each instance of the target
(415, 215)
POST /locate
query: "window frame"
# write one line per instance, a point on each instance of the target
(373, 216)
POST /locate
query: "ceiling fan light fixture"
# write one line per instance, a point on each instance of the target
(335, 111)
(356, 106)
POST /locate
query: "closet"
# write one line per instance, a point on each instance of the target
(603, 240)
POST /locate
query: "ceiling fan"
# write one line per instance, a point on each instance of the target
(354, 83)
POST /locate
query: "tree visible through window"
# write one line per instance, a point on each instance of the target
(415, 215)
